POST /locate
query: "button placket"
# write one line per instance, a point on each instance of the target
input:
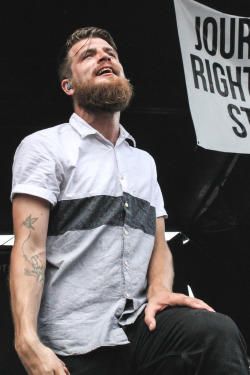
(121, 172)
(126, 272)
(126, 230)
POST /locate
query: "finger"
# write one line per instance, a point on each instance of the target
(62, 371)
(66, 370)
(195, 303)
(65, 367)
(150, 312)
(202, 305)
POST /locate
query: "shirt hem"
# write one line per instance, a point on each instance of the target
(90, 349)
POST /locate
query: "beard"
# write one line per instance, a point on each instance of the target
(113, 96)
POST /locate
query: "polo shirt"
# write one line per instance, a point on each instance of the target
(104, 203)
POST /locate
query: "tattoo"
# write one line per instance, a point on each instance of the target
(29, 221)
(35, 262)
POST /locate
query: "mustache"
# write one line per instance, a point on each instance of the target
(115, 70)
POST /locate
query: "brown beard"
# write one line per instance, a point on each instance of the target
(110, 97)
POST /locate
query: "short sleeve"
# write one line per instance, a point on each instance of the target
(37, 169)
(157, 196)
(159, 203)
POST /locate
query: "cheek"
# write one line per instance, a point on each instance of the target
(121, 71)
(82, 75)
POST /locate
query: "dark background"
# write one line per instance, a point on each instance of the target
(206, 192)
(147, 39)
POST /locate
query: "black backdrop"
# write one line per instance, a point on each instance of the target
(206, 192)
(147, 39)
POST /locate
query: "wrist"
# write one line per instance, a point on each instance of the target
(26, 340)
(156, 288)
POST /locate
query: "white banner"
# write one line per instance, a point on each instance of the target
(215, 50)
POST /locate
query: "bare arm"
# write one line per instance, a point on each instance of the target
(27, 272)
(160, 280)
(161, 270)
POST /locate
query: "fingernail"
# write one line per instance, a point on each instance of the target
(150, 326)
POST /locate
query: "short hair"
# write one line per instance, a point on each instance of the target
(64, 62)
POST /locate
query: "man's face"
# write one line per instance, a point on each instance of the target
(98, 78)
(90, 57)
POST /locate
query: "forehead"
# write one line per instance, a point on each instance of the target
(84, 44)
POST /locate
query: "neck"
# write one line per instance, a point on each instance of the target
(104, 122)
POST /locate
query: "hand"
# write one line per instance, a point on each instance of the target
(161, 298)
(37, 359)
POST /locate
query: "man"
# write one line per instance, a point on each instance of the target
(96, 201)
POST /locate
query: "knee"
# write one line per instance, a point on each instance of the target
(214, 327)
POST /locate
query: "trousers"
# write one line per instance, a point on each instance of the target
(186, 341)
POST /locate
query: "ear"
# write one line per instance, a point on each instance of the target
(66, 89)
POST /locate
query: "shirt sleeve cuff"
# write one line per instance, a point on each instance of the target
(34, 190)
(161, 212)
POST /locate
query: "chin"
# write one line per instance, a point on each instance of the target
(108, 94)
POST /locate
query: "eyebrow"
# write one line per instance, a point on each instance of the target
(93, 50)
(107, 49)
(84, 44)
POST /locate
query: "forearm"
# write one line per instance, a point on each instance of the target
(28, 262)
(26, 285)
(160, 281)
(161, 270)
(27, 268)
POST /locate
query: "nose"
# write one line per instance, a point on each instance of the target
(104, 57)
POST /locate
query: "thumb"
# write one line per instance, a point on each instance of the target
(150, 312)
(152, 324)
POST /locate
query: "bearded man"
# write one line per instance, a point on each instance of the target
(88, 208)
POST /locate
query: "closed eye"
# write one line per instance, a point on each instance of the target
(86, 56)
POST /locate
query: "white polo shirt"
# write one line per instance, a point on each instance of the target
(105, 200)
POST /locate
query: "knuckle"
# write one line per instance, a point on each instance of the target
(182, 295)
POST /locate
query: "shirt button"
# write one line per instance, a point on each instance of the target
(126, 204)
(126, 263)
(126, 233)
(127, 295)
(122, 177)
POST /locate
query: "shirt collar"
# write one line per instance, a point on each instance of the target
(84, 129)
(81, 126)
(125, 135)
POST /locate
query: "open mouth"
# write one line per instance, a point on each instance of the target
(105, 71)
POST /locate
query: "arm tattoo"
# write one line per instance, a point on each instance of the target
(35, 262)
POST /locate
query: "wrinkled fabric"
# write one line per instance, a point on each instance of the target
(105, 200)
(186, 342)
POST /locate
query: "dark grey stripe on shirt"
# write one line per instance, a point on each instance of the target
(92, 212)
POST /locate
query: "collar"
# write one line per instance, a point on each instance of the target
(84, 129)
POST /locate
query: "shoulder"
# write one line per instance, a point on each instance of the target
(144, 155)
(50, 134)
(141, 161)
(47, 140)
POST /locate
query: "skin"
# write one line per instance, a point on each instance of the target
(84, 68)
(27, 267)
(31, 215)
(160, 281)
